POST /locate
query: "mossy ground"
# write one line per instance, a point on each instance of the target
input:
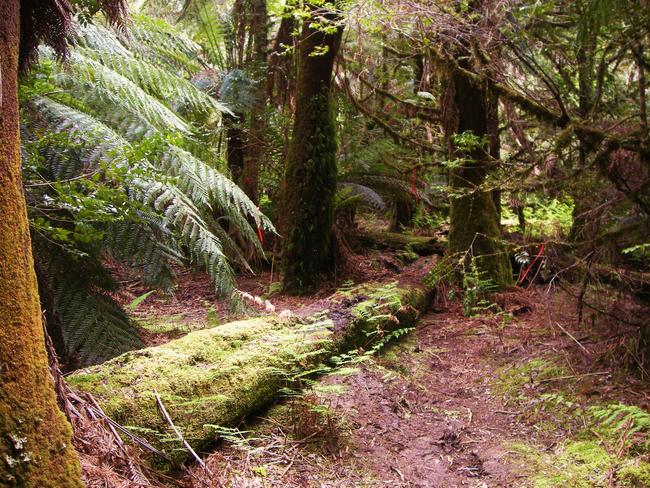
(602, 444)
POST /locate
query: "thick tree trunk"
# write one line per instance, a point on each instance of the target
(474, 216)
(35, 439)
(310, 180)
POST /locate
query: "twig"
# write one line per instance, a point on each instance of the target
(586, 351)
(137, 439)
(572, 376)
(164, 413)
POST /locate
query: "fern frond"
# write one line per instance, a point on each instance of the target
(147, 245)
(160, 83)
(157, 41)
(94, 327)
(179, 212)
(90, 79)
(365, 195)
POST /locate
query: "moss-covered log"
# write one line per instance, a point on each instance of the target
(310, 180)
(35, 439)
(422, 245)
(221, 375)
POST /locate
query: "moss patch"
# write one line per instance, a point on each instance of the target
(512, 381)
(603, 444)
(579, 464)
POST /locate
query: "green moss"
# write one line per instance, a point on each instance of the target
(407, 256)
(581, 464)
(635, 473)
(510, 381)
(165, 324)
(219, 376)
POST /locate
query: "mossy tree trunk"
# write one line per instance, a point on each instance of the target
(310, 179)
(35, 439)
(474, 216)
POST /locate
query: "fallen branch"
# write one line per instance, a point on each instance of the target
(586, 351)
(164, 413)
(568, 377)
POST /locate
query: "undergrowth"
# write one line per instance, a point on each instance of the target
(593, 445)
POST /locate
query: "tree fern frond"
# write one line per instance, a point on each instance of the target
(158, 41)
(146, 245)
(396, 188)
(158, 82)
(94, 327)
(106, 143)
(219, 189)
(366, 195)
(98, 38)
(90, 78)
(204, 246)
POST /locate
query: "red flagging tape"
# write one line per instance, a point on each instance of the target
(539, 253)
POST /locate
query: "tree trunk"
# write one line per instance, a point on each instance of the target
(35, 447)
(310, 180)
(235, 146)
(403, 216)
(280, 80)
(474, 217)
(258, 128)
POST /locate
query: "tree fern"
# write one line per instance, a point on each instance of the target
(135, 134)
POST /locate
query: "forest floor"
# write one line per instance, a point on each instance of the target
(490, 400)
(460, 402)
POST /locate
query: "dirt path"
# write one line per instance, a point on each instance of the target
(421, 415)
(430, 412)
(424, 415)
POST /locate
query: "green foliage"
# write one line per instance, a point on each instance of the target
(119, 159)
(476, 290)
(544, 217)
(616, 420)
(425, 220)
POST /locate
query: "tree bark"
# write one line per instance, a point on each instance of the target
(310, 180)
(474, 216)
(235, 145)
(35, 448)
(403, 216)
(258, 128)
(280, 81)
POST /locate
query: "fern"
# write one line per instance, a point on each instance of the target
(117, 171)
(617, 415)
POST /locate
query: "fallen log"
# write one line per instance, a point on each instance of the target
(422, 245)
(220, 376)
